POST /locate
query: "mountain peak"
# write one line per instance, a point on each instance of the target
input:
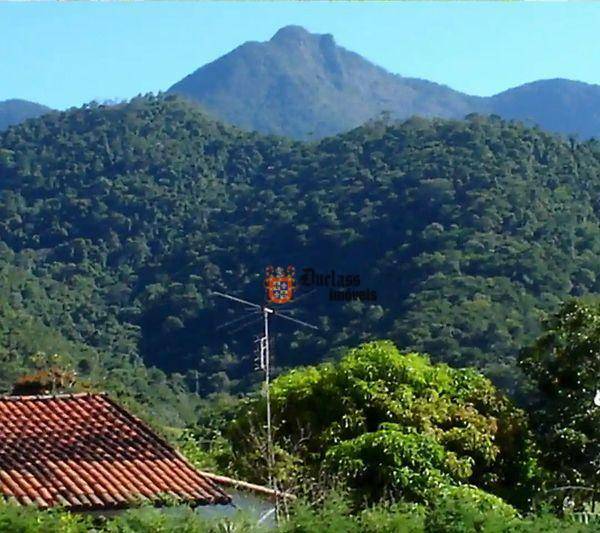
(303, 85)
(291, 33)
(297, 34)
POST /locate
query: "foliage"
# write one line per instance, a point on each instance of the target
(35, 337)
(392, 423)
(455, 510)
(333, 516)
(391, 518)
(565, 363)
(120, 220)
(15, 519)
(210, 457)
(452, 510)
(180, 519)
(460, 510)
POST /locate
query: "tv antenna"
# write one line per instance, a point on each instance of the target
(265, 312)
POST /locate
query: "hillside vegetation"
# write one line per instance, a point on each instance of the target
(467, 231)
(116, 223)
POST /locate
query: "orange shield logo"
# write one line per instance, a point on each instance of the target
(279, 284)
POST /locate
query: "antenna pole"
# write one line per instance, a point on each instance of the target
(265, 365)
(267, 361)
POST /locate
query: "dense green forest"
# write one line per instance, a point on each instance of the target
(116, 223)
(36, 317)
(467, 231)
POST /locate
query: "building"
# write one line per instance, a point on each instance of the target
(84, 452)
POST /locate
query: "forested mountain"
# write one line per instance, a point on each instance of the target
(15, 111)
(124, 218)
(560, 105)
(45, 322)
(305, 86)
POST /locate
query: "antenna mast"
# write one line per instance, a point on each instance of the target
(265, 365)
(265, 360)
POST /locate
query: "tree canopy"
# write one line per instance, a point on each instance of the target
(391, 423)
(565, 364)
(467, 231)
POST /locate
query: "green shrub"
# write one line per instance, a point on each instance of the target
(17, 519)
(384, 518)
(179, 519)
(454, 510)
(333, 516)
(464, 509)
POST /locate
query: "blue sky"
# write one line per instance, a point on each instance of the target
(65, 54)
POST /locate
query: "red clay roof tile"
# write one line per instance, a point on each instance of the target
(86, 452)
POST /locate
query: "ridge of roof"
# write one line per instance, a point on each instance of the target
(58, 396)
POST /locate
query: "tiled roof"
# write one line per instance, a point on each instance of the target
(84, 451)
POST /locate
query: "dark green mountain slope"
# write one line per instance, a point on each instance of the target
(44, 318)
(467, 231)
(16, 111)
(304, 86)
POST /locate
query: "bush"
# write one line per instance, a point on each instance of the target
(464, 509)
(17, 519)
(333, 516)
(455, 510)
(384, 518)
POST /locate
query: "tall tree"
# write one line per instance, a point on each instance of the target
(565, 363)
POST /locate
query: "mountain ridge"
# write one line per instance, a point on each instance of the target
(303, 85)
(296, 101)
(15, 110)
